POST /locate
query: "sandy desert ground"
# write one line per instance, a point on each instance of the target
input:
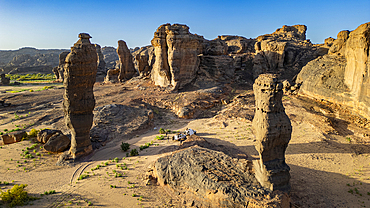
(328, 157)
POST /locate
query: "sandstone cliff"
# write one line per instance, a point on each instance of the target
(284, 52)
(342, 76)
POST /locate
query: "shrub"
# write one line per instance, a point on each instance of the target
(161, 137)
(134, 152)
(33, 133)
(161, 131)
(125, 146)
(16, 196)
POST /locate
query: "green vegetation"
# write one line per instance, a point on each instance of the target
(16, 196)
(161, 137)
(31, 77)
(49, 192)
(142, 147)
(125, 146)
(83, 176)
(134, 152)
(348, 139)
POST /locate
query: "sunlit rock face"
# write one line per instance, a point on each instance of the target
(80, 70)
(343, 75)
(176, 51)
(126, 65)
(273, 132)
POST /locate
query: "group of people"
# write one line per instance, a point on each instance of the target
(182, 136)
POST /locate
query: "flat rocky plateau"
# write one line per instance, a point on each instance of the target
(328, 155)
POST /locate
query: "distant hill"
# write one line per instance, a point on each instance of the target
(29, 60)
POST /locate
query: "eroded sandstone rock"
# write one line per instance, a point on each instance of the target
(101, 63)
(12, 137)
(112, 76)
(62, 59)
(78, 104)
(342, 76)
(127, 69)
(4, 80)
(143, 60)
(273, 132)
(176, 55)
(58, 142)
(204, 177)
(284, 52)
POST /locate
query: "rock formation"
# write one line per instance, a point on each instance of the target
(53, 140)
(62, 58)
(78, 104)
(112, 76)
(113, 120)
(198, 175)
(143, 60)
(4, 80)
(101, 62)
(127, 69)
(12, 137)
(110, 57)
(56, 73)
(343, 75)
(284, 52)
(273, 132)
(176, 55)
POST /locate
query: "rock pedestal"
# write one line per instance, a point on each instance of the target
(79, 77)
(273, 132)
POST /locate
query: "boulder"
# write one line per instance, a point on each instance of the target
(273, 131)
(342, 76)
(127, 69)
(12, 137)
(57, 143)
(79, 77)
(44, 135)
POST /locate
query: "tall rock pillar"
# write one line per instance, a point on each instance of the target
(127, 68)
(79, 77)
(273, 132)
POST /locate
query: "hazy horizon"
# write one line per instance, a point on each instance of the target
(56, 25)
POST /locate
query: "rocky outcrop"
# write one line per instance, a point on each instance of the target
(53, 140)
(110, 57)
(143, 60)
(60, 69)
(4, 80)
(101, 63)
(342, 76)
(273, 130)
(127, 69)
(176, 55)
(113, 120)
(78, 104)
(198, 175)
(112, 76)
(12, 137)
(43, 136)
(58, 142)
(284, 52)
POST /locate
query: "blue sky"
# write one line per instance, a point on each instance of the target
(56, 24)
